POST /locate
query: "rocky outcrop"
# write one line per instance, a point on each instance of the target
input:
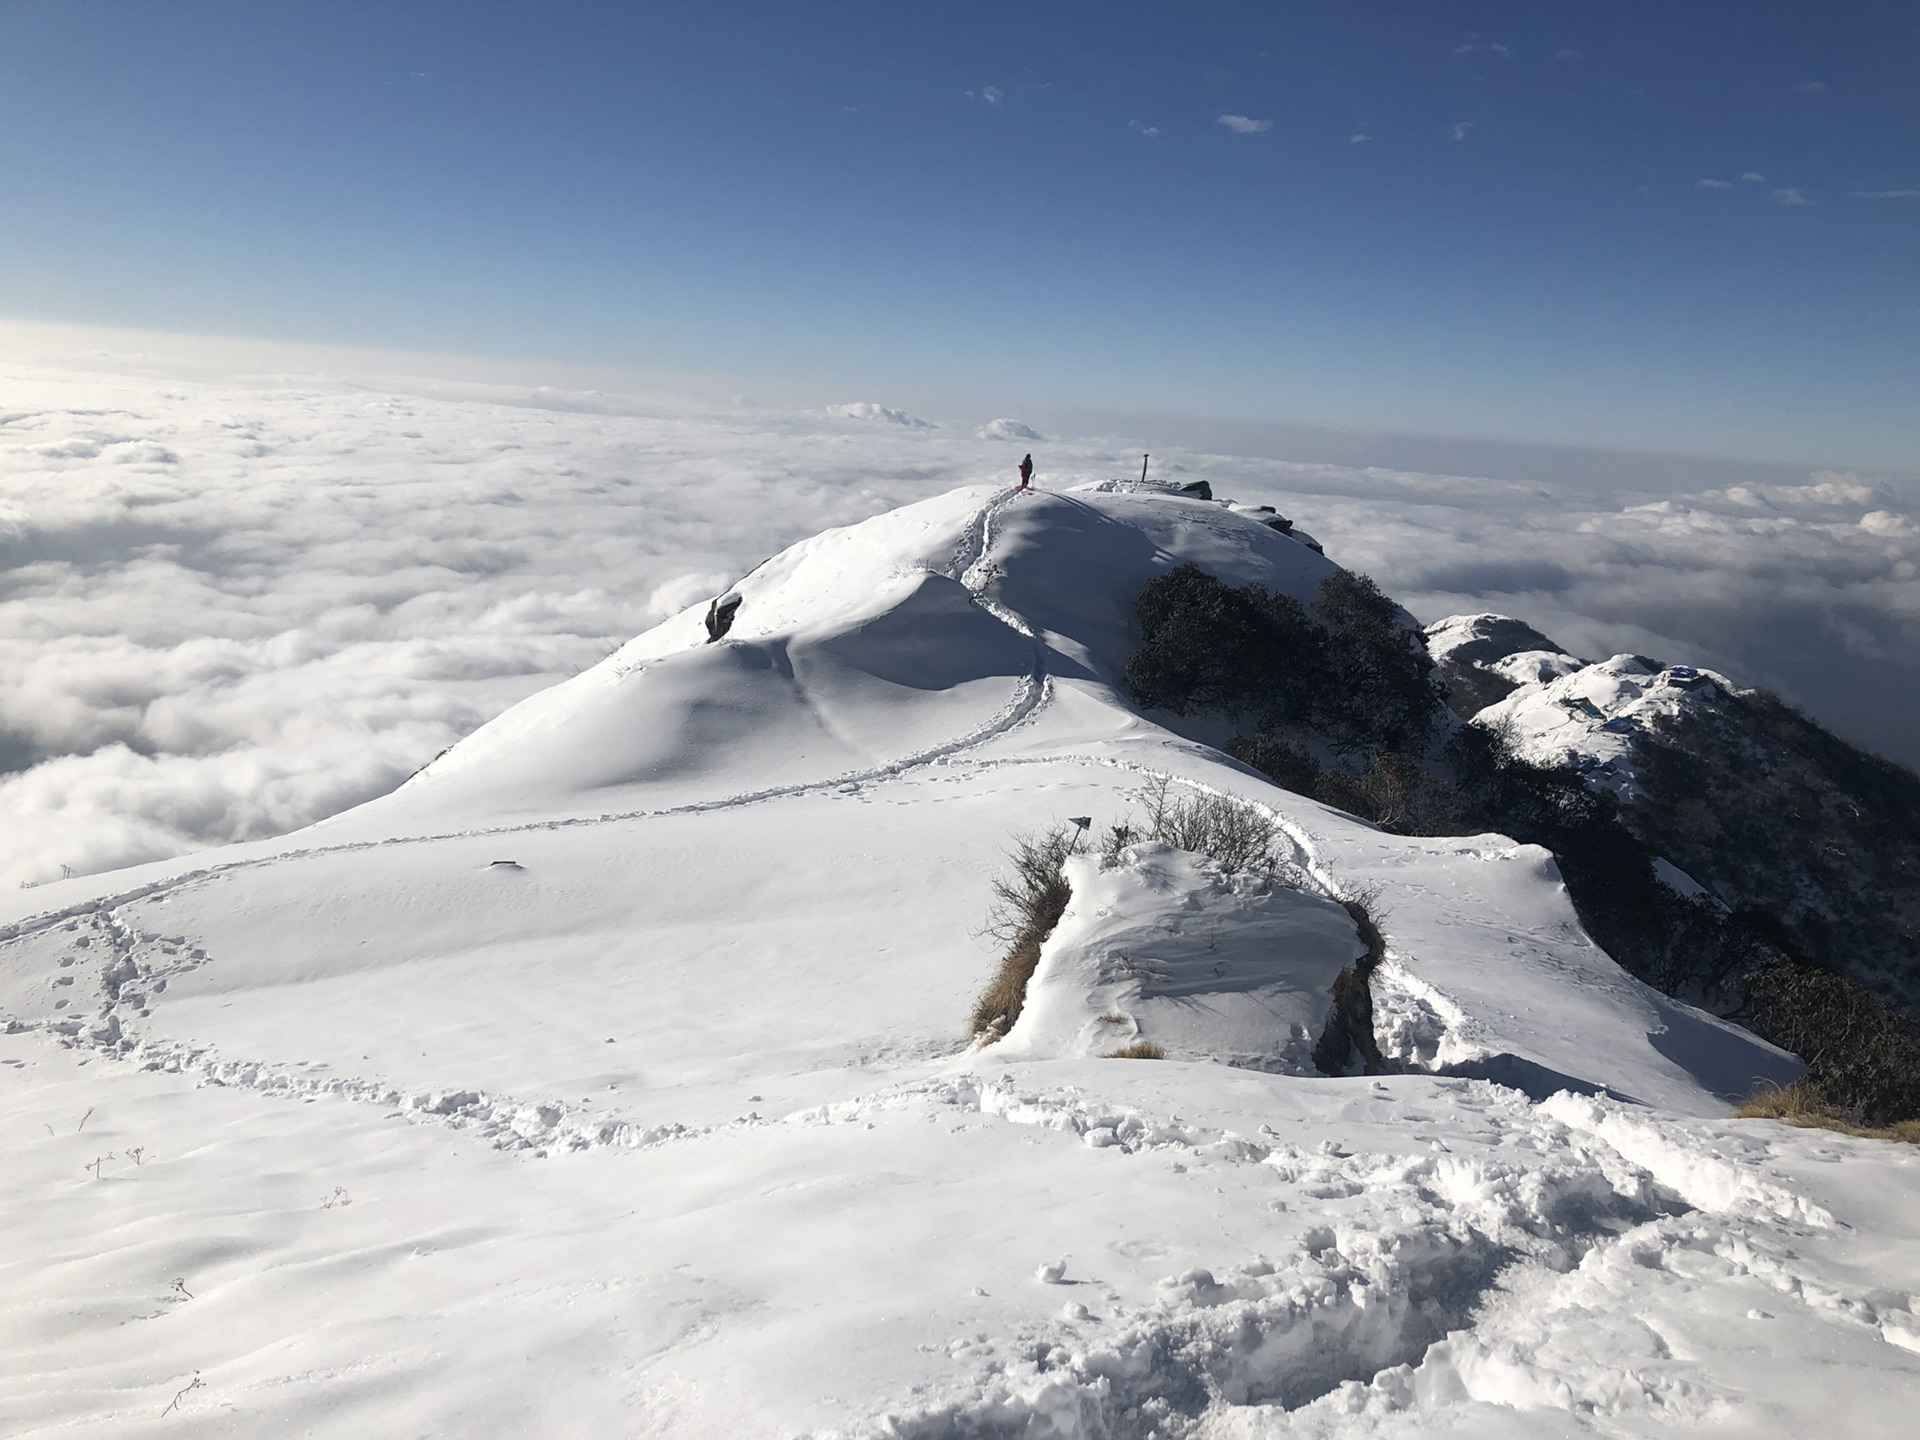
(1485, 658)
(1812, 840)
(1770, 812)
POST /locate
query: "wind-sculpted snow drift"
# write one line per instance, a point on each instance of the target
(607, 1079)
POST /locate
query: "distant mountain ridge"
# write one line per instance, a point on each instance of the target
(1768, 812)
(1717, 844)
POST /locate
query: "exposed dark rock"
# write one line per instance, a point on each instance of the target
(720, 615)
(1348, 1038)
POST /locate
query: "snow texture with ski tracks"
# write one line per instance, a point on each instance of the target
(609, 1078)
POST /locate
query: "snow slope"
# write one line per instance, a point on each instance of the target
(609, 1079)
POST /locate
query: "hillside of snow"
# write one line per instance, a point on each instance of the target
(611, 1077)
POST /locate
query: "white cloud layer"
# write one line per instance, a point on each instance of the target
(228, 609)
(1245, 125)
(1008, 430)
(872, 410)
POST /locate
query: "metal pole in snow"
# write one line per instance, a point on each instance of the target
(1143, 468)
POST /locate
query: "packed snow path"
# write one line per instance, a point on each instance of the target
(610, 1079)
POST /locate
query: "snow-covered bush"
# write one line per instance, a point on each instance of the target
(1029, 900)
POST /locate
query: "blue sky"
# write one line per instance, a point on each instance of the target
(1689, 227)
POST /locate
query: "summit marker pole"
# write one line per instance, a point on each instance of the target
(1143, 468)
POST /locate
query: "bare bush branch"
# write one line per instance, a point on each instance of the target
(1224, 828)
(1028, 903)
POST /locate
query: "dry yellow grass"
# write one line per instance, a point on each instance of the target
(1799, 1104)
(999, 1004)
(1139, 1050)
(1028, 904)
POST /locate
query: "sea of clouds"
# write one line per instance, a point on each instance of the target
(230, 607)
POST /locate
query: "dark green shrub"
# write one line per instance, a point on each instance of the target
(1348, 1037)
(1863, 1057)
(1288, 766)
(1210, 645)
(1395, 793)
(1677, 945)
(1815, 851)
(1383, 691)
(1353, 669)
(1775, 814)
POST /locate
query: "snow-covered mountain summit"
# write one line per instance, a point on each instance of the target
(925, 632)
(611, 1076)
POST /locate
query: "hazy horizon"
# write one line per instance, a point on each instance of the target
(239, 358)
(1647, 228)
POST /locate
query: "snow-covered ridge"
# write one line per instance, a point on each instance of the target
(1587, 716)
(1746, 803)
(611, 1076)
(864, 647)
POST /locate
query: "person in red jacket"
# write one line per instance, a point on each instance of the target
(1026, 471)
